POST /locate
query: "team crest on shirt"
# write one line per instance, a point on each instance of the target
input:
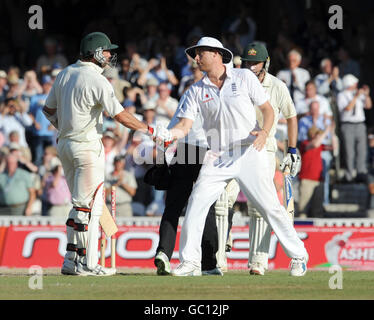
(252, 52)
(234, 88)
(207, 98)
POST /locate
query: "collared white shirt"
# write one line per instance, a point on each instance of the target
(80, 93)
(302, 106)
(17, 122)
(281, 102)
(228, 113)
(302, 77)
(357, 114)
(323, 85)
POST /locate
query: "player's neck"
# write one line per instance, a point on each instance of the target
(261, 77)
(217, 75)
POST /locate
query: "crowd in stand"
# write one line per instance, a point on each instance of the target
(330, 102)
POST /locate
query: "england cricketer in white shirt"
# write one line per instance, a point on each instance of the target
(225, 99)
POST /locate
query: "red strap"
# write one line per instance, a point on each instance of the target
(83, 209)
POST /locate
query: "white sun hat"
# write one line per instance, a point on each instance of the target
(349, 80)
(211, 43)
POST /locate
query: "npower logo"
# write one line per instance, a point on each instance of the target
(239, 252)
(121, 248)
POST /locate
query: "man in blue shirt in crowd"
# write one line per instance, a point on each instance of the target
(42, 130)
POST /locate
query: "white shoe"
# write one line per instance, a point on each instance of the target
(213, 272)
(98, 271)
(257, 269)
(162, 263)
(299, 266)
(186, 269)
(69, 268)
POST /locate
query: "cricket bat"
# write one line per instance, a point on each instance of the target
(107, 222)
(288, 200)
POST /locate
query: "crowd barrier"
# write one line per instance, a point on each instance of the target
(28, 241)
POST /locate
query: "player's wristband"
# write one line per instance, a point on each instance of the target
(291, 150)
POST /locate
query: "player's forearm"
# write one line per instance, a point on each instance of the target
(268, 116)
(181, 129)
(129, 121)
(292, 131)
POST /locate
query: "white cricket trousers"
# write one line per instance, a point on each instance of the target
(251, 170)
(84, 164)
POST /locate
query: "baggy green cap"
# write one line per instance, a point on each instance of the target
(95, 40)
(256, 52)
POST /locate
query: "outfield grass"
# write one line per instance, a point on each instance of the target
(147, 286)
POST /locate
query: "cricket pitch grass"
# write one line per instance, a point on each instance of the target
(131, 284)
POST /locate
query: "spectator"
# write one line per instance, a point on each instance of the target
(302, 106)
(151, 90)
(13, 118)
(135, 96)
(110, 142)
(125, 184)
(237, 62)
(24, 161)
(166, 105)
(244, 26)
(158, 69)
(320, 121)
(3, 86)
(25, 151)
(149, 113)
(51, 58)
(310, 199)
(137, 63)
(56, 198)
(352, 103)
(49, 153)
(231, 41)
(30, 87)
(295, 77)
(328, 82)
(130, 74)
(118, 84)
(347, 64)
(17, 194)
(54, 73)
(42, 130)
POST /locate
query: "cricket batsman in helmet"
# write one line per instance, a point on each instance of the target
(256, 58)
(74, 106)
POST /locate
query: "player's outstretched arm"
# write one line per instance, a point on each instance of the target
(129, 121)
(181, 129)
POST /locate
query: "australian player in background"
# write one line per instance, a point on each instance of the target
(256, 58)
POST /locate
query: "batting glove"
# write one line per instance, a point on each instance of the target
(161, 135)
(292, 161)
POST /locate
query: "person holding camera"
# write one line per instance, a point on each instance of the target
(352, 103)
(14, 118)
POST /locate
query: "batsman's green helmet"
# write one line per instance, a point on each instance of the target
(91, 42)
(256, 52)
